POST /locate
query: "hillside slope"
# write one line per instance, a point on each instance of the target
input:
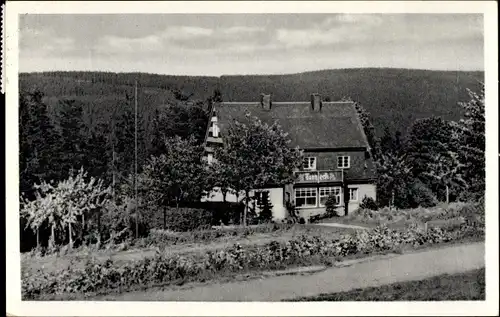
(394, 97)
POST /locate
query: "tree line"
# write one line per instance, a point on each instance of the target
(439, 160)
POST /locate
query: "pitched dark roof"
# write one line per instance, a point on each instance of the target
(336, 125)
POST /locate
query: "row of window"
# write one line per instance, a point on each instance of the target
(309, 162)
(342, 162)
(308, 197)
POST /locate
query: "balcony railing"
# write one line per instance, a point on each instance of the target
(319, 176)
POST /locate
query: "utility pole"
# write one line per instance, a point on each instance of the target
(114, 154)
(135, 169)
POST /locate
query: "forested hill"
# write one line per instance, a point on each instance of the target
(394, 97)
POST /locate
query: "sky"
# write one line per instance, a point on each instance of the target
(228, 44)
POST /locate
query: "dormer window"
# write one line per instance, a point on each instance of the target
(210, 158)
(343, 161)
(310, 163)
(215, 130)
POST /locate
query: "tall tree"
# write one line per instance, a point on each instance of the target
(393, 177)
(98, 154)
(73, 135)
(124, 132)
(177, 176)
(38, 143)
(432, 154)
(259, 155)
(183, 119)
(215, 98)
(387, 141)
(65, 206)
(470, 133)
(368, 128)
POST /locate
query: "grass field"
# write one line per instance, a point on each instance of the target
(464, 286)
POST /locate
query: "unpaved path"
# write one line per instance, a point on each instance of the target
(340, 225)
(412, 266)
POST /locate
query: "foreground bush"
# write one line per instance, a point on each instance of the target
(187, 219)
(472, 212)
(368, 203)
(163, 268)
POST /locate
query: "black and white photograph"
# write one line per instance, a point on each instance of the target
(205, 152)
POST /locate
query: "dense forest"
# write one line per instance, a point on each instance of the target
(395, 98)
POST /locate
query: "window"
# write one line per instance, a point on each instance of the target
(325, 192)
(306, 197)
(310, 163)
(210, 158)
(343, 161)
(215, 130)
(353, 194)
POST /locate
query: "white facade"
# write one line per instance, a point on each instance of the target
(275, 197)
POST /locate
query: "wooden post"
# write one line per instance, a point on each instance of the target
(392, 200)
(70, 236)
(37, 237)
(52, 236)
(447, 194)
(82, 233)
(135, 168)
(245, 211)
(164, 218)
(113, 163)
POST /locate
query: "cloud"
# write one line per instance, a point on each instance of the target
(114, 44)
(242, 30)
(156, 42)
(185, 32)
(185, 39)
(43, 42)
(340, 19)
(377, 29)
(283, 43)
(341, 28)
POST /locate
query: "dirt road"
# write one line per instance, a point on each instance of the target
(412, 266)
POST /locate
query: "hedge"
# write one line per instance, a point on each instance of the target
(164, 268)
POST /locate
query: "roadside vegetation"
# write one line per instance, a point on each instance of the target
(448, 287)
(165, 268)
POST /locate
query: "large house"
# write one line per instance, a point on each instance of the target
(336, 151)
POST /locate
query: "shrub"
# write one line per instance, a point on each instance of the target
(168, 237)
(292, 216)
(421, 195)
(368, 203)
(266, 208)
(331, 205)
(187, 219)
(164, 268)
(225, 212)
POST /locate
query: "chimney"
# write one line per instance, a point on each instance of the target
(265, 101)
(316, 102)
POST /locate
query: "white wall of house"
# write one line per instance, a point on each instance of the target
(275, 196)
(369, 190)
